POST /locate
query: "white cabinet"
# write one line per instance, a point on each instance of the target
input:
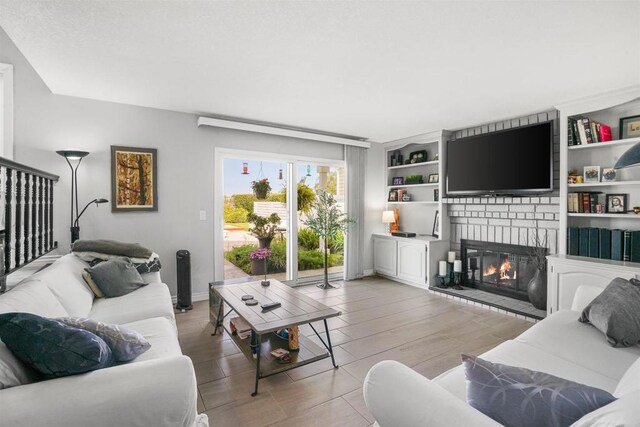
(385, 256)
(566, 273)
(412, 264)
(409, 260)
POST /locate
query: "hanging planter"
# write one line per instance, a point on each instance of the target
(261, 188)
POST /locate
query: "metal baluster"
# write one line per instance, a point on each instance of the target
(50, 214)
(46, 215)
(7, 221)
(27, 204)
(34, 224)
(40, 216)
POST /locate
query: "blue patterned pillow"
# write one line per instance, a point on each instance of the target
(52, 347)
(519, 397)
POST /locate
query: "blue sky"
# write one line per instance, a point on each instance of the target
(236, 183)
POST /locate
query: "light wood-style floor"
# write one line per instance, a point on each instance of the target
(381, 320)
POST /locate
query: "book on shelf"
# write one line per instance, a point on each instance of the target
(585, 202)
(603, 243)
(240, 327)
(583, 130)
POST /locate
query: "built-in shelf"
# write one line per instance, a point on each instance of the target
(604, 184)
(414, 202)
(435, 184)
(413, 165)
(604, 215)
(627, 141)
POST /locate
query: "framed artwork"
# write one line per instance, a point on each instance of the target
(433, 178)
(398, 180)
(629, 127)
(418, 156)
(393, 196)
(608, 174)
(134, 179)
(436, 225)
(592, 174)
(616, 203)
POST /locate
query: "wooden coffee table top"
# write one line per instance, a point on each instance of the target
(296, 308)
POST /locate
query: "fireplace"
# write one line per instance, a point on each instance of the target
(497, 267)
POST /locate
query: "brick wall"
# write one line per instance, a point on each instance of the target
(511, 220)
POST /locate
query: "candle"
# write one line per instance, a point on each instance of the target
(442, 268)
(452, 256)
(473, 263)
(457, 266)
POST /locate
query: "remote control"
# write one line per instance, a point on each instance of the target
(270, 306)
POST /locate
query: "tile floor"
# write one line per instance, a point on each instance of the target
(381, 320)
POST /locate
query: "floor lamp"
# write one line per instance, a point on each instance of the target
(75, 157)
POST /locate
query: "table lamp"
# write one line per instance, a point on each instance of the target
(388, 217)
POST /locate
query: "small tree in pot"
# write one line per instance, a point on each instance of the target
(327, 221)
(264, 228)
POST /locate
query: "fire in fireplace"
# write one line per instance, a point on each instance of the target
(497, 267)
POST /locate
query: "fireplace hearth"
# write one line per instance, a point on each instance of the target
(498, 268)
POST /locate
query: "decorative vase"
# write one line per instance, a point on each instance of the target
(265, 242)
(265, 282)
(537, 289)
(258, 267)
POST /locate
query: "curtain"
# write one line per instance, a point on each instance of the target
(356, 160)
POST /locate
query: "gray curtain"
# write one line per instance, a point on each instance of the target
(356, 160)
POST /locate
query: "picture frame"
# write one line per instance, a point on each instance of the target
(608, 174)
(436, 225)
(629, 127)
(420, 156)
(616, 203)
(134, 179)
(398, 180)
(591, 174)
(433, 178)
(393, 196)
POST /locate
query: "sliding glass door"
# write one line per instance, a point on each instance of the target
(258, 213)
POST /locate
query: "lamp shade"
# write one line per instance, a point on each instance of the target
(73, 154)
(631, 157)
(388, 217)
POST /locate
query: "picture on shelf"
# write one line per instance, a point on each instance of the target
(608, 174)
(398, 180)
(616, 203)
(393, 196)
(433, 178)
(418, 156)
(592, 174)
(436, 225)
(630, 127)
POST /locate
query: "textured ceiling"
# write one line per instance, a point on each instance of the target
(382, 70)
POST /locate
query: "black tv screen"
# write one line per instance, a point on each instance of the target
(512, 161)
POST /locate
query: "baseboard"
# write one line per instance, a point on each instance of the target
(196, 296)
(368, 272)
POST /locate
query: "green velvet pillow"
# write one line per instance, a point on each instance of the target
(51, 347)
(116, 277)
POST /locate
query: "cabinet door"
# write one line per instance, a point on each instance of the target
(384, 255)
(412, 262)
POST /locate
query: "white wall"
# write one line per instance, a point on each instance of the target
(374, 201)
(45, 122)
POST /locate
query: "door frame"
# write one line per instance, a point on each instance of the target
(292, 203)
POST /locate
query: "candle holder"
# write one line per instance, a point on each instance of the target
(442, 283)
(456, 281)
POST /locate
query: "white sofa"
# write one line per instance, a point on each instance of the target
(397, 396)
(156, 389)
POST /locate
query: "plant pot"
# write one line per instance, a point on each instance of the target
(258, 267)
(537, 290)
(261, 194)
(265, 242)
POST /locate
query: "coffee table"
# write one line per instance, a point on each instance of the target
(297, 309)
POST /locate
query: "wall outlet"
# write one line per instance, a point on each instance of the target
(203, 215)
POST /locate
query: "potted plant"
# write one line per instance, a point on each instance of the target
(259, 263)
(537, 286)
(327, 221)
(261, 188)
(264, 228)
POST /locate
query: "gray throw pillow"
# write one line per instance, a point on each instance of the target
(519, 397)
(616, 312)
(125, 344)
(116, 277)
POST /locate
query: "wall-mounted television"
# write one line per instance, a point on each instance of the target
(511, 161)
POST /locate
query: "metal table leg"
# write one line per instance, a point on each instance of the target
(327, 345)
(257, 365)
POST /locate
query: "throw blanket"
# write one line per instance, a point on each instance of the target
(111, 247)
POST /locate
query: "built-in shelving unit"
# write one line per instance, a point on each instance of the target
(414, 165)
(606, 109)
(436, 185)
